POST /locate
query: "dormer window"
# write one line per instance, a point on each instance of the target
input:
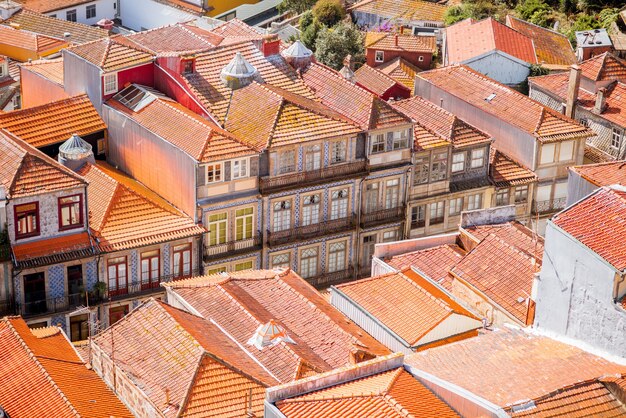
(110, 83)
(379, 56)
(26, 220)
(240, 168)
(70, 212)
(188, 66)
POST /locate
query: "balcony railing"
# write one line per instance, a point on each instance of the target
(548, 206)
(300, 233)
(233, 247)
(328, 279)
(335, 172)
(51, 305)
(382, 216)
(418, 223)
(145, 288)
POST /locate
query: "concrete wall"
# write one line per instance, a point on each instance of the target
(38, 90)
(577, 188)
(501, 67)
(575, 294)
(80, 76)
(133, 14)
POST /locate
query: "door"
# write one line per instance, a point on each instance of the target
(182, 261)
(34, 294)
(75, 289)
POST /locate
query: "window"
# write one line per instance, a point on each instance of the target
(282, 215)
(27, 220)
(421, 170)
(436, 213)
(70, 212)
(566, 151)
(560, 190)
(400, 139)
(117, 274)
(117, 313)
(182, 261)
(91, 11)
(369, 245)
(246, 265)
(217, 270)
(240, 168)
(547, 153)
(392, 195)
(339, 204)
(75, 284)
(502, 197)
(54, 16)
(439, 166)
(280, 260)
(371, 197)
(379, 56)
(214, 173)
(287, 162)
(243, 223)
(310, 210)
(35, 293)
(101, 146)
(390, 236)
(378, 143)
(187, 66)
(478, 158)
(218, 225)
(418, 216)
(338, 152)
(79, 327)
(70, 15)
(308, 263)
(313, 157)
(458, 162)
(521, 194)
(337, 256)
(616, 138)
(420, 58)
(1, 70)
(455, 206)
(110, 83)
(474, 202)
(150, 269)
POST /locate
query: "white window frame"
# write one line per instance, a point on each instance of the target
(521, 194)
(478, 158)
(379, 56)
(338, 152)
(455, 206)
(437, 211)
(548, 152)
(281, 264)
(313, 157)
(287, 161)
(374, 139)
(240, 173)
(475, 201)
(458, 162)
(281, 215)
(219, 167)
(420, 58)
(110, 83)
(503, 197)
(337, 256)
(390, 236)
(392, 193)
(311, 208)
(311, 267)
(400, 139)
(562, 148)
(339, 203)
(90, 7)
(616, 138)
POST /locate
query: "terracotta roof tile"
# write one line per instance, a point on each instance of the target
(376, 81)
(598, 222)
(56, 28)
(508, 105)
(30, 41)
(553, 49)
(401, 70)
(506, 172)
(602, 174)
(125, 214)
(54, 122)
(470, 39)
(402, 305)
(402, 9)
(401, 43)
(112, 54)
(174, 38)
(238, 29)
(505, 366)
(394, 393)
(596, 155)
(514, 234)
(49, 69)
(53, 250)
(604, 67)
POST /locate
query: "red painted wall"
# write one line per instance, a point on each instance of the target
(143, 75)
(398, 91)
(167, 79)
(411, 57)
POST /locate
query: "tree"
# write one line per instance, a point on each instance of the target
(476, 10)
(296, 6)
(529, 8)
(309, 27)
(334, 44)
(328, 12)
(583, 22)
(606, 17)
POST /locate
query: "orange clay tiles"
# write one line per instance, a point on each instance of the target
(198, 367)
(26, 171)
(53, 250)
(49, 69)
(598, 223)
(505, 366)
(553, 49)
(43, 376)
(399, 42)
(112, 54)
(402, 305)
(175, 38)
(376, 81)
(402, 9)
(30, 41)
(603, 174)
(604, 67)
(240, 302)
(506, 172)
(125, 214)
(510, 106)
(400, 70)
(54, 122)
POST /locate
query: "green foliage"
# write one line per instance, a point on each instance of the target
(309, 34)
(334, 44)
(533, 10)
(583, 22)
(328, 12)
(296, 6)
(305, 20)
(568, 6)
(606, 17)
(476, 10)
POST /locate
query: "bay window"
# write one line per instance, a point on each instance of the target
(240, 168)
(478, 158)
(458, 162)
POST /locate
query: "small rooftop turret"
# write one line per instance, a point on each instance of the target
(269, 334)
(75, 152)
(298, 55)
(238, 73)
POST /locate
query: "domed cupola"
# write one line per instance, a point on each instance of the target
(238, 73)
(75, 152)
(298, 55)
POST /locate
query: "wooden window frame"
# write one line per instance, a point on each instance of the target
(178, 275)
(60, 207)
(149, 256)
(37, 230)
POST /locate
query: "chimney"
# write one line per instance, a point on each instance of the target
(346, 70)
(395, 39)
(600, 101)
(271, 45)
(572, 90)
(347, 62)
(402, 30)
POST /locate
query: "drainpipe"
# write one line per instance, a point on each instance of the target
(407, 178)
(358, 227)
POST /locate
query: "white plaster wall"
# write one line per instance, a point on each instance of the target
(575, 295)
(134, 16)
(105, 9)
(500, 68)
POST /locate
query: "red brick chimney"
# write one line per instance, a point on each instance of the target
(395, 40)
(271, 45)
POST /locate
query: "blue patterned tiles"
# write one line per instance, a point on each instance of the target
(56, 281)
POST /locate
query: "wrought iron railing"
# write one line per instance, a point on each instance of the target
(300, 233)
(233, 247)
(334, 172)
(382, 216)
(548, 206)
(418, 223)
(328, 279)
(145, 288)
(41, 305)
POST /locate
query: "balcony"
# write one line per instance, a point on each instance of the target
(51, 305)
(233, 247)
(383, 216)
(329, 279)
(542, 207)
(271, 184)
(145, 289)
(301, 233)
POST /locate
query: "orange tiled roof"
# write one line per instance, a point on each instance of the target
(553, 49)
(602, 174)
(283, 117)
(29, 40)
(508, 105)
(53, 250)
(399, 42)
(604, 67)
(375, 81)
(505, 366)
(56, 28)
(54, 122)
(43, 376)
(125, 214)
(597, 222)
(408, 10)
(506, 172)
(363, 107)
(195, 359)
(237, 29)
(397, 301)
(596, 155)
(443, 124)
(112, 54)
(394, 393)
(49, 69)
(240, 302)
(26, 171)
(401, 70)
(177, 38)
(514, 234)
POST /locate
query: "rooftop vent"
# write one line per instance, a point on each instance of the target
(489, 98)
(238, 72)
(298, 55)
(268, 335)
(75, 152)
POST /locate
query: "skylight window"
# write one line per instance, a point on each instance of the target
(490, 97)
(136, 97)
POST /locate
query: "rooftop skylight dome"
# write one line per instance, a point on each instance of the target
(75, 152)
(269, 334)
(238, 72)
(298, 55)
